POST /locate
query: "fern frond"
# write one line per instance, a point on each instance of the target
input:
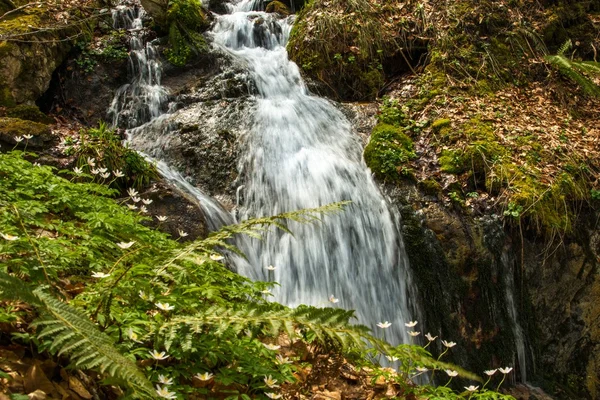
(254, 227)
(566, 46)
(575, 70)
(14, 289)
(330, 326)
(75, 335)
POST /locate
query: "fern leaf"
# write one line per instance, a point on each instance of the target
(74, 334)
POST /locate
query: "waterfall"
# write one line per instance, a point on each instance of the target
(144, 98)
(300, 153)
(517, 330)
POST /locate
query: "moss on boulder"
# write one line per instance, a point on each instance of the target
(29, 113)
(12, 128)
(387, 152)
(186, 20)
(278, 7)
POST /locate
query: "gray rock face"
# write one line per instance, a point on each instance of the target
(26, 69)
(201, 139)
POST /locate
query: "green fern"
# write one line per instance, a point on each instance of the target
(73, 334)
(576, 71)
(329, 326)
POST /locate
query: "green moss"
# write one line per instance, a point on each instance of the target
(6, 97)
(439, 124)
(29, 113)
(186, 21)
(430, 187)
(388, 151)
(13, 127)
(278, 7)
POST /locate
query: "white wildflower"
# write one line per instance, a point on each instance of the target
(105, 175)
(271, 268)
(422, 369)
(271, 346)
(135, 199)
(505, 370)
(273, 395)
(132, 206)
(161, 218)
(430, 338)
(413, 333)
(125, 245)
(205, 376)
(283, 360)
(471, 388)
(184, 234)
(448, 344)
(147, 201)
(91, 162)
(164, 392)
(132, 192)
(164, 306)
(27, 137)
(158, 355)
(164, 380)
(133, 336)
(411, 324)
(384, 325)
(118, 174)
(451, 373)
(18, 139)
(216, 257)
(94, 171)
(391, 358)
(78, 170)
(143, 209)
(490, 372)
(100, 275)
(333, 299)
(270, 382)
(8, 237)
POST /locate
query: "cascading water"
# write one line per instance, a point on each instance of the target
(517, 330)
(144, 98)
(302, 153)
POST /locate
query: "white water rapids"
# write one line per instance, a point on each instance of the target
(300, 153)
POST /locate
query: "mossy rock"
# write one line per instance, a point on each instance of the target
(187, 20)
(278, 7)
(388, 151)
(430, 187)
(11, 128)
(6, 97)
(29, 113)
(439, 124)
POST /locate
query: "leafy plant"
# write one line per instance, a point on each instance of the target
(576, 71)
(105, 147)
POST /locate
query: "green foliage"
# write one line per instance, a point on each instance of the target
(577, 71)
(186, 21)
(156, 294)
(388, 150)
(109, 49)
(278, 7)
(105, 147)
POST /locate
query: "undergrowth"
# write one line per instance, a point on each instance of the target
(157, 317)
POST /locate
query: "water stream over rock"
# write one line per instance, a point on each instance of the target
(299, 152)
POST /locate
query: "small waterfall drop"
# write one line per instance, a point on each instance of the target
(517, 330)
(144, 98)
(302, 153)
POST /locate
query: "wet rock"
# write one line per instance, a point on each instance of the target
(183, 212)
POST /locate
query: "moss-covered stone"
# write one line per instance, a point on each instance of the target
(186, 20)
(278, 7)
(389, 149)
(29, 113)
(11, 128)
(438, 124)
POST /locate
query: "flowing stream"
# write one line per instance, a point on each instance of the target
(301, 153)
